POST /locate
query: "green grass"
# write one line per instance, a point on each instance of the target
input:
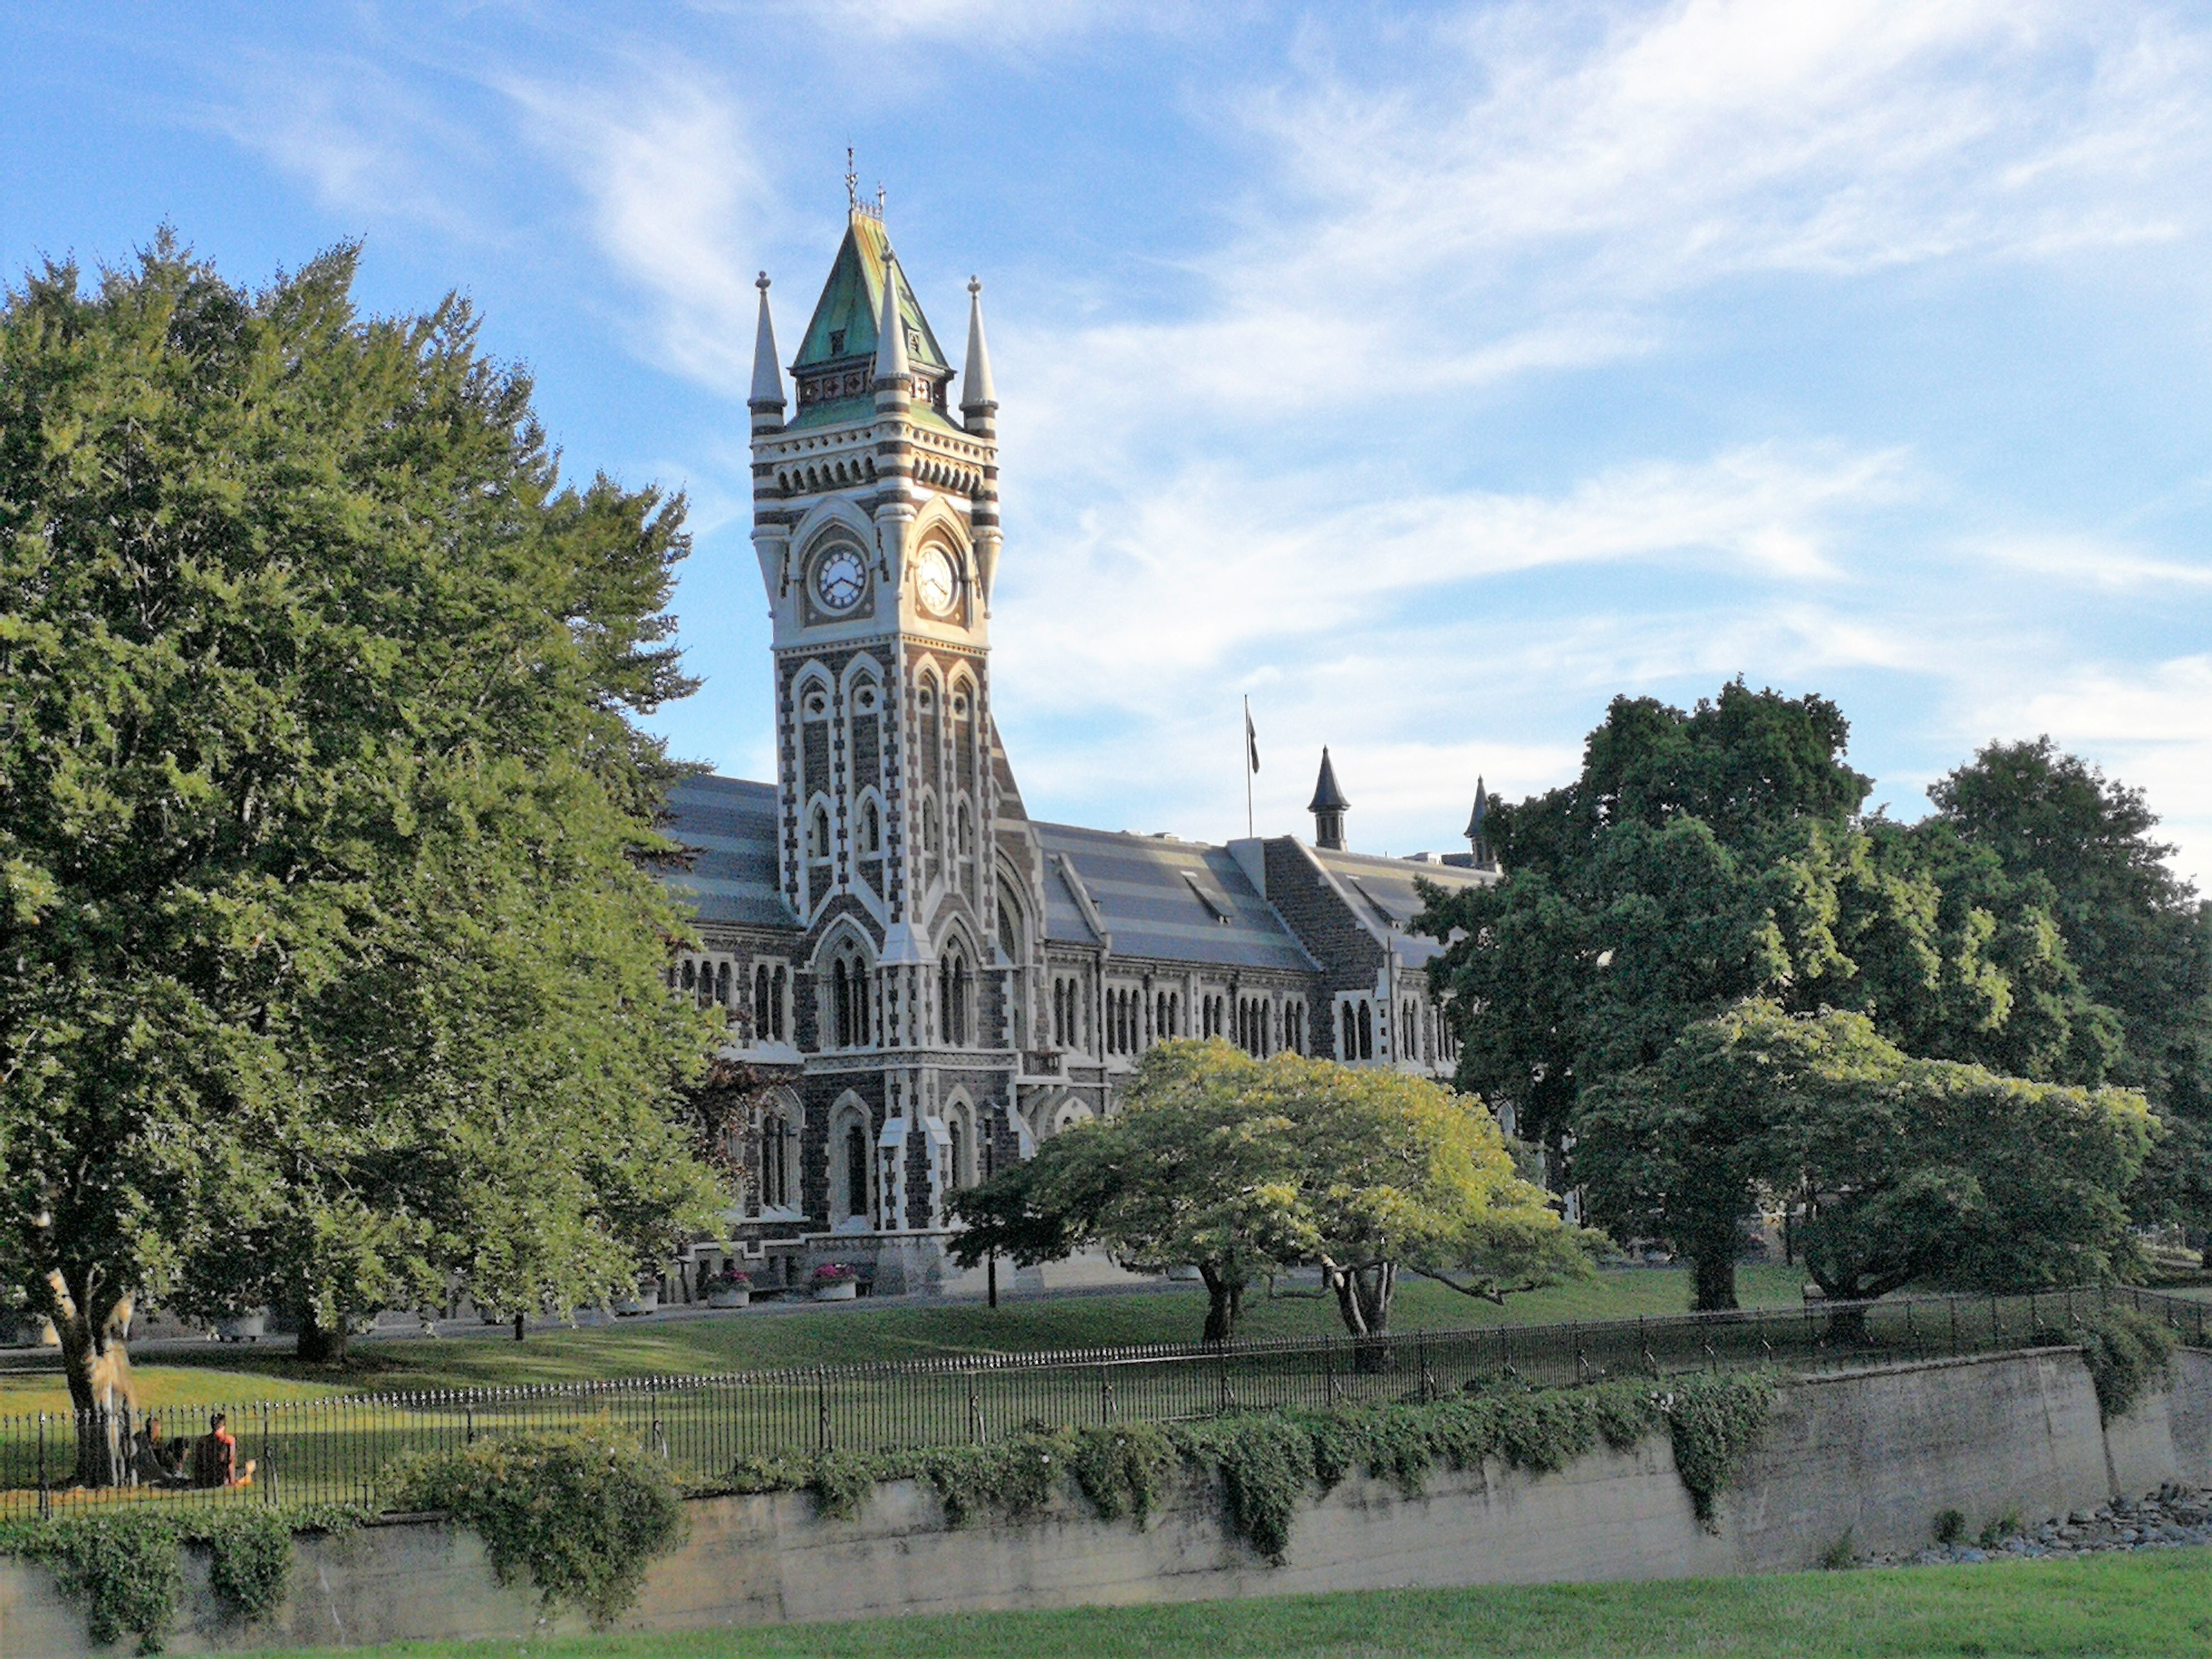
(170, 1388)
(761, 1340)
(2111, 1608)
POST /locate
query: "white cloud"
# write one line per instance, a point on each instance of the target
(675, 195)
(2095, 561)
(2149, 725)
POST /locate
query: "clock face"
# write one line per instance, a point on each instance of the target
(934, 584)
(840, 579)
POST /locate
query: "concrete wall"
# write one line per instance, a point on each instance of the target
(1878, 1454)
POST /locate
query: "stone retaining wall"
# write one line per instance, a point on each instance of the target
(1876, 1453)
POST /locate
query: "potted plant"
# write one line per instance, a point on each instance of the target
(243, 1327)
(836, 1281)
(731, 1290)
(643, 1300)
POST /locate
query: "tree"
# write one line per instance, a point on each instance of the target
(2139, 936)
(1388, 1173)
(1244, 1167)
(330, 948)
(1911, 1170)
(1186, 1175)
(1708, 857)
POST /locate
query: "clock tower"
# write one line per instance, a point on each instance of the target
(902, 848)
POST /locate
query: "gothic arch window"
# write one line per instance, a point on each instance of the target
(1067, 1114)
(1350, 1049)
(690, 974)
(871, 829)
(1366, 1030)
(962, 1126)
(956, 987)
(722, 984)
(852, 1163)
(779, 1152)
(965, 846)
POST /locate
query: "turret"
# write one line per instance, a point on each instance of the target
(1328, 807)
(1478, 839)
(979, 399)
(766, 400)
(894, 372)
(978, 409)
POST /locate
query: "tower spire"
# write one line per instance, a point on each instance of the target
(979, 399)
(894, 372)
(1328, 807)
(766, 401)
(1477, 834)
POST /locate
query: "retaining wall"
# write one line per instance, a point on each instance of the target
(1876, 1453)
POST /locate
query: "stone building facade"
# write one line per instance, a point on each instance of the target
(928, 981)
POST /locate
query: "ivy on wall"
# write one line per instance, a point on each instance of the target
(1267, 1461)
(2127, 1353)
(126, 1568)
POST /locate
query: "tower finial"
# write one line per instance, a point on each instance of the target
(766, 400)
(979, 399)
(852, 181)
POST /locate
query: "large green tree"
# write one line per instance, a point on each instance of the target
(1707, 856)
(1909, 1171)
(2139, 936)
(331, 956)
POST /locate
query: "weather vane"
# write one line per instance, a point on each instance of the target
(852, 181)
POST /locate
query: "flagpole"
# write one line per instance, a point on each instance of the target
(1248, 766)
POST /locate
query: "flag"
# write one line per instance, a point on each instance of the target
(1251, 739)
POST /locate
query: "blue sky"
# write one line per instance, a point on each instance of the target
(1430, 374)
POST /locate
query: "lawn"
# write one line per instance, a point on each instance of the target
(2111, 1606)
(765, 1338)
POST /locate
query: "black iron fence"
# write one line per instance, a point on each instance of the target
(339, 1450)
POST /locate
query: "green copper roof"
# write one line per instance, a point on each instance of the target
(844, 323)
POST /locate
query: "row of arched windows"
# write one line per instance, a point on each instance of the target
(721, 983)
(851, 991)
(1124, 1021)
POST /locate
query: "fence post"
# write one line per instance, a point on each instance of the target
(821, 1408)
(46, 1491)
(267, 1463)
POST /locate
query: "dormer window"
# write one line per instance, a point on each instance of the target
(837, 342)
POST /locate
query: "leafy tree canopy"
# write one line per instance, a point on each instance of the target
(1705, 857)
(330, 960)
(1244, 1167)
(1911, 1170)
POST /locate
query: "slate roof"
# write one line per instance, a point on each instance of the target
(1382, 891)
(730, 823)
(1180, 900)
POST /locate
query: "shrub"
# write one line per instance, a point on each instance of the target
(1123, 1470)
(2126, 1355)
(584, 1513)
(1715, 1421)
(124, 1570)
(1950, 1526)
(1995, 1532)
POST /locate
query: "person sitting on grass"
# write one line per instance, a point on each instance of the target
(214, 1457)
(155, 1461)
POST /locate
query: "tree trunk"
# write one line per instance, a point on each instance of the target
(1224, 1304)
(320, 1345)
(1363, 1298)
(89, 1324)
(1715, 1282)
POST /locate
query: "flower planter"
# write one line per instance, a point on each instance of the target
(246, 1327)
(725, 1296)
(647, 1299)
(841, 1289)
